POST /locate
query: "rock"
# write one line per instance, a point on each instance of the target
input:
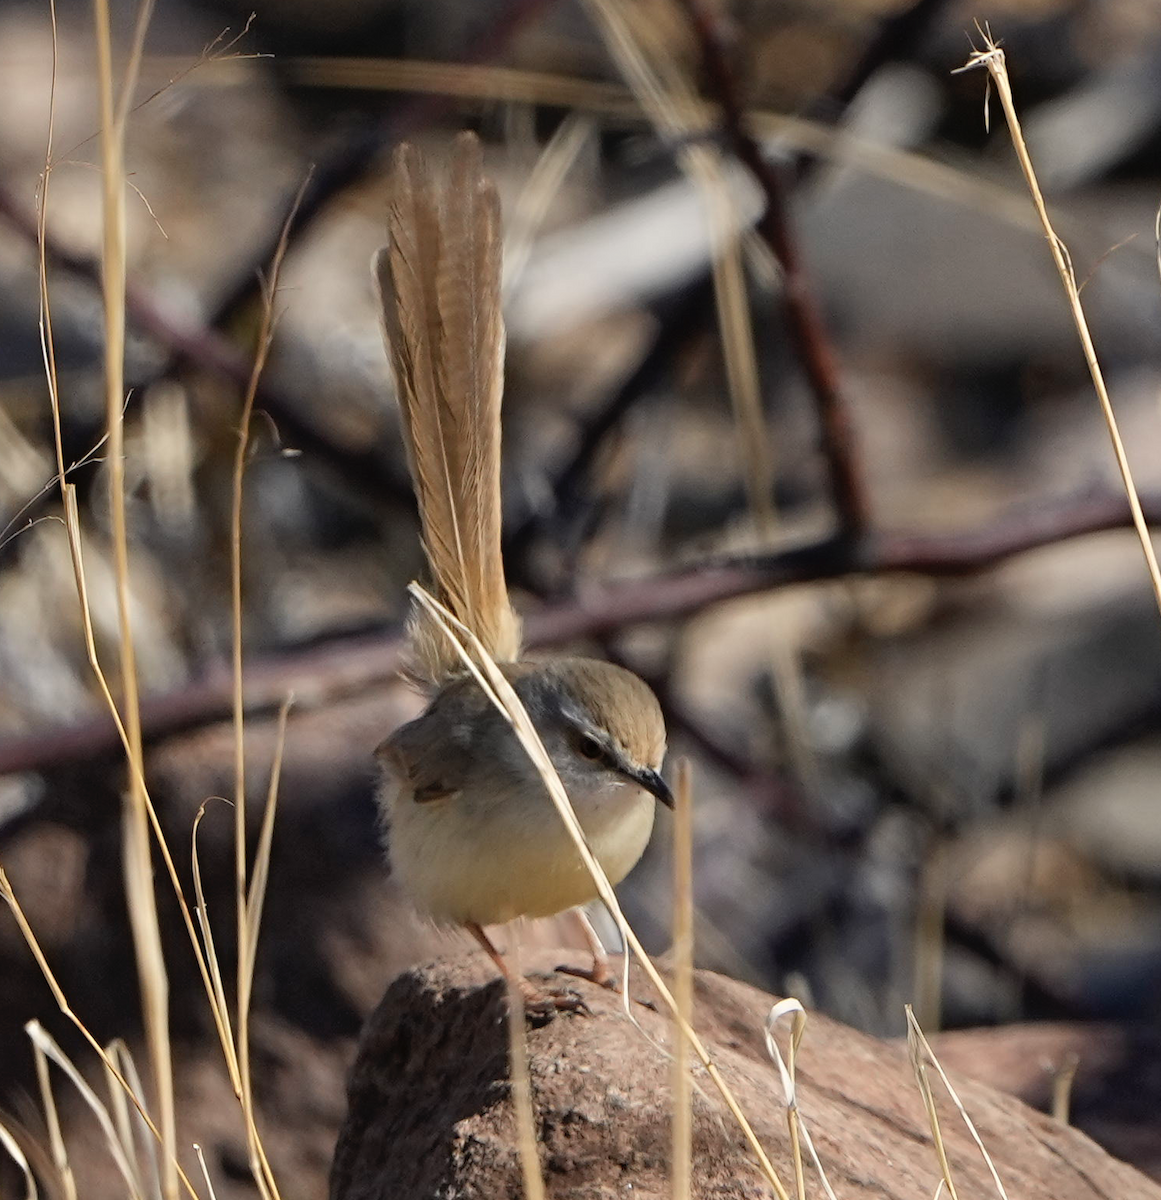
(429, 1113)
(1116, 1092)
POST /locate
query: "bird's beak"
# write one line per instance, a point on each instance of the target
(652, 782)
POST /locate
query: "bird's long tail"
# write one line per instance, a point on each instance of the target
(439, 284)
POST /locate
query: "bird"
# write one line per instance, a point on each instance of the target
(473, 837)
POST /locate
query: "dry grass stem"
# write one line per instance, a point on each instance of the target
(1062, 1088)
(56, 1142)
(246, 925)
(201, 1157)
(9, 1142)
(616, 105)
(681, 1187)
(119, 1052)
(992, 58)
(118, 1108)
(256, 897)
(799, 1133)
(921, 1054)
(210, 976)
(501, 693)
(140, 809)
(30, 939)
(138, 868)
(44, 1044)
(540, 191)
(521, 1083)
(931, 913)
(920, 1068)
(216, 988)
(666, 94)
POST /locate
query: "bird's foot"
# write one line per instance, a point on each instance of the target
(541, 1007)
(600, 974)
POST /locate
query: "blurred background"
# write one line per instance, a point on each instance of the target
(910, 646)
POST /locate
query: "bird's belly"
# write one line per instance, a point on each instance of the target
(463, 864)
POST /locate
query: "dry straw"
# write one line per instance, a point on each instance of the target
(521, 1081)
(10, 1143)
(787, 1066)
(127, 1120)
(922, 1055)
(666, 94)
(991, 57)
(682, 1156)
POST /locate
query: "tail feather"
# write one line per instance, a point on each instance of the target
(439, 284)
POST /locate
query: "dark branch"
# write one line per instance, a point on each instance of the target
(807, 328)
(351, 664)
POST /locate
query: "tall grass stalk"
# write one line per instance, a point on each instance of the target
(992, 58)
(138, 858)
(681, 1171)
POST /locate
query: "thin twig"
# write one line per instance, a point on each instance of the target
(807, 328)
(351, 664)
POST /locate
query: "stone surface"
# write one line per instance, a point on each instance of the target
(430, 1115)
(1116, 1092)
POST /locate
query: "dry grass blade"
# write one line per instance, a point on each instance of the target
(9, 897)
(799, 1133)
(666, 94)
(246, 912)
(522, 1095)
(681, 1186)
(9, 1142)
(201, 1157)
(931, 916)
(44, 1044)
(617, 106)
(216, 987)
(256, 897)
(539, 192)
(118, 1107)
(921, 1054)
(56, 1142)
(919, 1066)
(119, 1052)
(73, 531)
(1062, 1088)
(501, 693)
(992, 58)
(138, 868)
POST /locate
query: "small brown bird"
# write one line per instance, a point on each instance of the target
(473, 836)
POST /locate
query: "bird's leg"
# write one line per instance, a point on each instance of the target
(539, 1005)
(599, 972)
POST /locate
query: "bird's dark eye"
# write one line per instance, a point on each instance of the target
(588, 747)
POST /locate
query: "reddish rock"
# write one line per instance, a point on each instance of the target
(1116, 1092)
(430, 1115)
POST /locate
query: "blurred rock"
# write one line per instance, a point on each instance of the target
(1115, 1095)
(1073, 938)
(1109, 807)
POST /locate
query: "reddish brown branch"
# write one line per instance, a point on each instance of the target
(807, 328)
(351, 664)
